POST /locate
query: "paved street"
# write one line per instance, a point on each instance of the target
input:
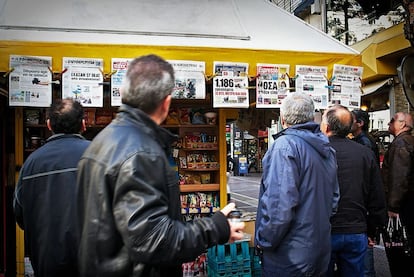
(245, 191)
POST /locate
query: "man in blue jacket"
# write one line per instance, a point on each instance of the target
(298, 195)
(45, 198)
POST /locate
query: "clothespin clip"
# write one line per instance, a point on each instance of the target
(252, 78)
(8, 72)
(108, 75)
(329, 86)
(208, 78)
(292, 78)
(61, 73)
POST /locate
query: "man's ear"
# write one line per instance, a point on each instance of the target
(283, 122)
(161, 112)
(166, 103)
(83, 128)
(48, 125)
(324, 128)
(327, 128)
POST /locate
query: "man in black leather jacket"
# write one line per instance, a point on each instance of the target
(129, 203)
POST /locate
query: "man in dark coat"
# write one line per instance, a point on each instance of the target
(361, 135)
(45, 198)
(398, 176)
(361, 208)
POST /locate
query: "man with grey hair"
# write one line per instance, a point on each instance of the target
(398, 176)
(299, 193)
(129, 196)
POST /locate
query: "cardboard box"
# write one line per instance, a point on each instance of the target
(249, 229)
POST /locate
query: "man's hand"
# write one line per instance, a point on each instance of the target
(236, 228)
(392, 214)
(371, 242)
(236, 231)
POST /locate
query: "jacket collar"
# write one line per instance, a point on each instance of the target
(404, 133)
(62, 135)
(144, 122)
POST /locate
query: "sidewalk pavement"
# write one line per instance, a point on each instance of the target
(244, 191)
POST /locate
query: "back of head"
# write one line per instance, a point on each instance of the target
(339, 120)
(361, 115)
(149, 79)
(409, 121)
(65, 116)
(297, 108)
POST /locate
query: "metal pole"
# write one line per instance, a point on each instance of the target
(324, 16)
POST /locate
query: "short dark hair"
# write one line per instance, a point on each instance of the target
(361, 115)
(66, 116)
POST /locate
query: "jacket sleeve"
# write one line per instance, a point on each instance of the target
(141, 210)
(17, 206)
(377, 212)
(400, 165)
(336, 197)
(278, 198)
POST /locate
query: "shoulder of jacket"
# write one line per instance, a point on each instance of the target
(283, 137)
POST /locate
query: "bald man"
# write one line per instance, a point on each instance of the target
(362, 205)
(398, 177)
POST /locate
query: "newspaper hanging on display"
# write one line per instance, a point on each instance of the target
(272, 85)
(346, 86)
(230, 85)
(83, 81)
(189, 79)
(119, 68)
(30, 81)
(313, 81)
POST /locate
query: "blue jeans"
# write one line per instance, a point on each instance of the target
(369, 263)
(348, 254)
